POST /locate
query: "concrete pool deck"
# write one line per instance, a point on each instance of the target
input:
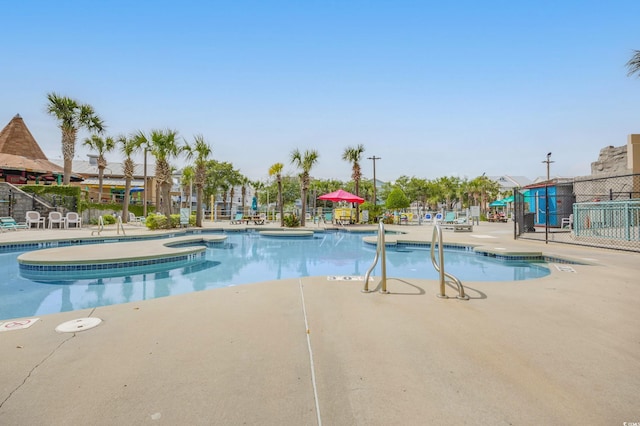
(564, 349)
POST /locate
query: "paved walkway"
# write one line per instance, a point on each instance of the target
(564, 349)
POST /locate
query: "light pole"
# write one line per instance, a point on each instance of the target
(546, 202)
(374, 158)
(144, 193)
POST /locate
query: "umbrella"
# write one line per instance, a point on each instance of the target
(136, 189)
(509, 199)
(254, 204)
(341, 195)
(498, 203)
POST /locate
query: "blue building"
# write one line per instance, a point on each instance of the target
(557, 193)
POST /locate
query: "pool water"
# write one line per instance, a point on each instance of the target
(242, 259)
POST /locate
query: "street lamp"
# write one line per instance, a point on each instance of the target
(374, 158)
(546, 203)
(144, 193)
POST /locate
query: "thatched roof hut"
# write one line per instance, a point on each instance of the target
(22, 160)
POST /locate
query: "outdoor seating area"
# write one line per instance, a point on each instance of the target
(54, 220)
(497, 217)
(240, 219)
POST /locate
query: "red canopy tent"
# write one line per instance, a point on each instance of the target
(341, 195)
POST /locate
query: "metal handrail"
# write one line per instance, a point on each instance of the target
(119, 225)
(380, 254)
(100, 226)
(437, 238)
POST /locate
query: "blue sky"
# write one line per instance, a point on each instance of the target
(433, 88)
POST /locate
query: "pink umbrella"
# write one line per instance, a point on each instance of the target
(341, 195)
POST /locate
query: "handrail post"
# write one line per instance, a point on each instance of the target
(380, 253)
(437, 238)
(383, 257)
(437, 235)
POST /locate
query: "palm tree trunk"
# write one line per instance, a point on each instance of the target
(68, 151)
(199, 205)
(125, 201)
(100, 177)
(280, 206)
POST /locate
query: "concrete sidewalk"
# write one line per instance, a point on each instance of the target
(564, 349)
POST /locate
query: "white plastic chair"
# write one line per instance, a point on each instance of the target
(55, 217)
(33, 217)
(73, 218)
(567, 221)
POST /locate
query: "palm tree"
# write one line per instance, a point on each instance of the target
(201, 151)
(233, 178)
(276, 169)
(102, 146)
(634, 64)
(186, 182)
(305, 162)
(141, 141)
(353, 155)
(72, 117)
(244, 181)
(128, 147)
(164, 146)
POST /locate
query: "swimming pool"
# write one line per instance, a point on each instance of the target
(246, 257)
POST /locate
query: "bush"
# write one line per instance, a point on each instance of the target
(374, 211)
(291, 221)
(109, 219)
(159, 221)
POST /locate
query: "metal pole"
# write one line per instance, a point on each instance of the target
(374, 158)
(546, 204)
(144, 193)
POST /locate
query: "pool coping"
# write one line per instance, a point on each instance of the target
(118, 252)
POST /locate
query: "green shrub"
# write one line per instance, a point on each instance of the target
(157, 221)
(291, 221)
(374, 211)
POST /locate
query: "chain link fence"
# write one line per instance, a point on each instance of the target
(593, 211)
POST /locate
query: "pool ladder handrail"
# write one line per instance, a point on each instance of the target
(100, 226)
(381, 254)
(119, 226)
(437, 238)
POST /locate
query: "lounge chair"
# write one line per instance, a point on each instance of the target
(10, 223)
(136, 220)
(55, 217)
(237, 220)
(328, 217)
(428, 217)
(438, 218)
(33, 217)
(450, 217)
(72, 218)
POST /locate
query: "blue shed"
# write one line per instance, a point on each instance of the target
(559, 197)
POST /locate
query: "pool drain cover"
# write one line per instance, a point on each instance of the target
(80, 324)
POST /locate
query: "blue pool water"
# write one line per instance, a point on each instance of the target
(246, 258)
